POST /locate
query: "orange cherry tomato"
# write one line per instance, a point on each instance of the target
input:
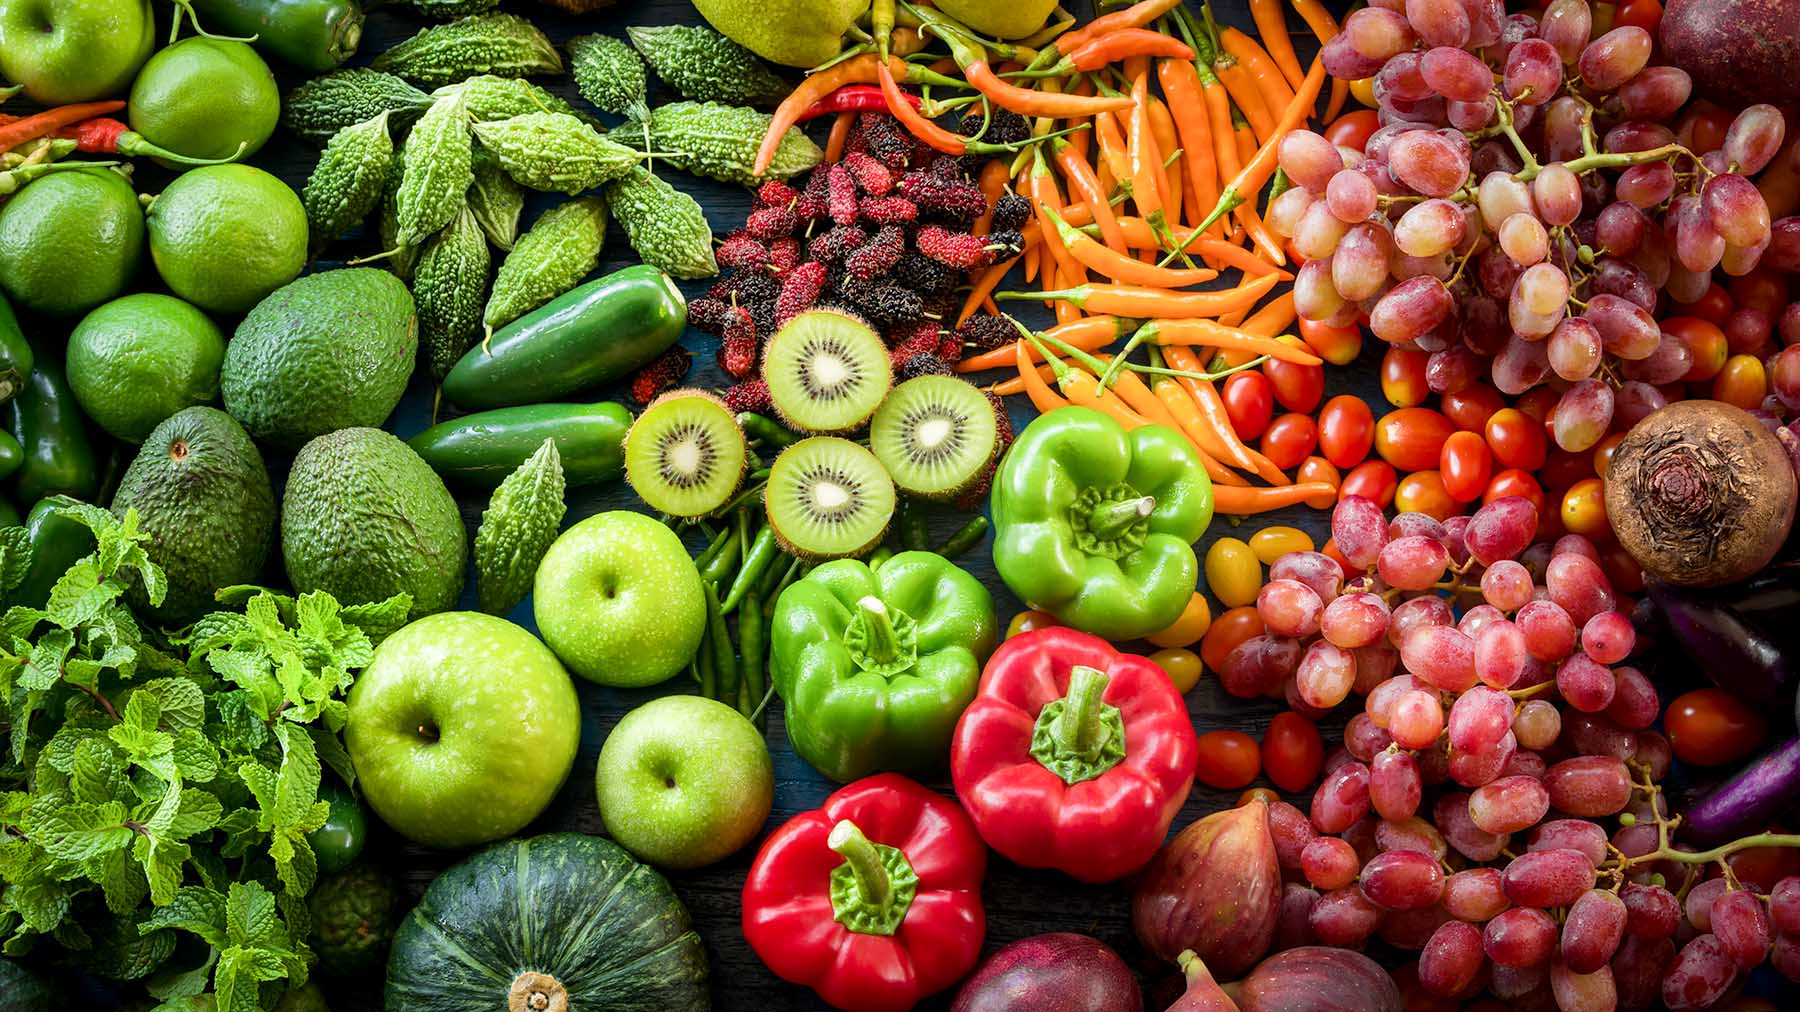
(1337, 345)
(1403, 377)
(1742, 382)
(1292, 752)
(1762, 288)
(1371, 479)
(1517, 439)
(1466, 464)
(1712, 727)
(1228, 760)
(1297, 387)
(1289, 440)
(1353, 129)
(1319, 469)
(1603, 452)
(1228, 630)
(1538, 401)
(1584, 509)
(1714, 307)
(1346, 430)
(1705, 340)
(1514, 481)
(1471, 407)
(1411, 438)
(1424, 492)
(1330, 551)
(1249, 402)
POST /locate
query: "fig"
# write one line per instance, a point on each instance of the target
(1203, 993)
(1215, 889)
(1057, 972)
(1317, 978)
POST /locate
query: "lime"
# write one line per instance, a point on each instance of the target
(203, 98)
(224, 236)
(70, 240)
(137, 360)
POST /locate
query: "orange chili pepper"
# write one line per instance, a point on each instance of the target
(1168, 147)
(1153, 303)
(1087, 334)
(1261, 67)
(1273, 318)
(1031, 102)
(1181, 85)
(1065, 310)
(840, 136)
(1124, 43)
(915, 122)
(984, 286)
(1034, 251)
(1324, 28)
(1083, 183)
(1212, 334)
(1120, 267)
(1180, 407)
(1206, 397)
(1135, 16)
(1147, 187)
(1244, 94)
(1042, 397)
(1234, 501)
(1271, 25)
(994, 177)
(1041, 187)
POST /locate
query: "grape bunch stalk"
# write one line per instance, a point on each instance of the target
(1523, 203)
(1496, 804)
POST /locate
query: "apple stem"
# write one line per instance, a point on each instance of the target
(872, 881)
(1077, 729)
(883, 647)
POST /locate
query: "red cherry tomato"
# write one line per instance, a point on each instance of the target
(1297, 387)
(1228, 630)
(1352, 129)
(1538, 401)
(1603, 453)
(1514, 481)
(1623, 570)
(1424, 492)
(1762, 288)
(1228, 760)
(1371, 479)
(1517, 439)
(1290, 439)
(1292, 752)
(1249, 403)
(1470, 408)
(1337, 345)
(1713, 307)
(1466, 464)
(1346, 430)
(1403, 377)
(1645, 14)
(1563, 468)
(1712, 727)
(1319, 469)
(1705, 340)
(1330, 551)
(1410, 438)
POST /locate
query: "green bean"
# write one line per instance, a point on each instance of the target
(724, 658)
(772, 576)
(915, 535)
(968, 537)
(767, 430)
(719, 568)
(756, 560)
(715, 544)
(750, 643)
(708, 672)
(794, 572)
(753, 491)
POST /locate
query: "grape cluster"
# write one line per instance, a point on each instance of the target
(1495, 805)
(1523, 203)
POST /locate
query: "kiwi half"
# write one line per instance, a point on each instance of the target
(685, 454)
(828, 498)
(935, 435)
(827, 371)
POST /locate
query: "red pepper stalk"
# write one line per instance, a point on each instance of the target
(873, 900)
(104, 136)
(1073, 756)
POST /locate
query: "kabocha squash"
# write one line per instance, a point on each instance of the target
(556, 922)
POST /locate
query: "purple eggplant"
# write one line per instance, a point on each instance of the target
(1060, 972)
(1748, 801)
(1738, 656)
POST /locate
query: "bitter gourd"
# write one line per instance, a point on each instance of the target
(719, 142)
(495, 200)
(610, 75)
(449, 288)
(555, 151)
(453, 8)
(666, 226)
(517, 528)
(501, 44)
(347, 182)
(562, 246)
(435, 171)
(489, 97)
(321, 107)
(403, 258)
(705, 66)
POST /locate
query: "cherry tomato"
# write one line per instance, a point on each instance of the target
(1713, 307)
(1297, 387)
(1331, 552)
(1292, 752)
(1620, 568)
(1249, 403)
(1181, 665)
(1471, 407)
(1233, 573)
(1337, 345)
(1423, 492)
(1743, 382)
(1514, 481)
(1538, 401)
(1705, 340)
(1289, 439)
(1363, 88)
(1411, 438)
(1187, 629)
(1403, 377)
(1228, 630)
(1584, 509)
(1352, 129)
(1563, 468)
(1712, 727)
(1762, 867)
(1371, 479)
(1703, 128)
(1026, 621)
(1271, 543)
(1517, 439)
(1228, 760)
(1320, 470)
(1762, 288)
(1645, 14)
(1603, 453)
(1466, 464)
(1346, 430)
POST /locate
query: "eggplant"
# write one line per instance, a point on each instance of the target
(1748, 801)
(1737, 655)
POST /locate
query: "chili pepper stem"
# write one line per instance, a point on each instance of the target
(1078, 730)
(883, 647)
(1110, 520)
(872, 882)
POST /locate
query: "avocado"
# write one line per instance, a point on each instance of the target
(202, 494)
(326, 352)
(364, 518)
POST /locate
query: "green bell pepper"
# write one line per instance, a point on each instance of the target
(1096, 525)
(875, 666)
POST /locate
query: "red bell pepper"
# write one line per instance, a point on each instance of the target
(1073, 756)
(874, 899)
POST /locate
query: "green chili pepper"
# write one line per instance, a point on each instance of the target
(968, 537)
(767, 430)
(709, 672)
(719, 568)
(915, 535)
(756, 560)
(724, 659)
(750, 645)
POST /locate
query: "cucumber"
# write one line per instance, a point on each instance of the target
(597, 333)
(15, 354)
(313, 35)
(480, 450)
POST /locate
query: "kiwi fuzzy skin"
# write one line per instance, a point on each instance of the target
(690, 392)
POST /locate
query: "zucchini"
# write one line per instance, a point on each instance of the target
(480, 450)
(15, 354)
(313, 35)
(597, 333)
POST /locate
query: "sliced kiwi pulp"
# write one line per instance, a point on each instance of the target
(827, 371)
(685, 454)
(935, 435)
(828, 498)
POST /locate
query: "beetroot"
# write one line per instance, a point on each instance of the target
(1215, 889)
(1060, 972)
(1315, 978)
(1743, 50)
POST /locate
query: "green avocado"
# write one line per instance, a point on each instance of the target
(329, 351)
(202, 494)
(353, 918)
(364, 518)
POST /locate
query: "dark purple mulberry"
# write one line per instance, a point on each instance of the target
(922, 365)
(1011, 211)
(982, 332)
(925, 275)
(886, 140)
(707, 315)
(835, 243)
(885, 305)
(951, 198)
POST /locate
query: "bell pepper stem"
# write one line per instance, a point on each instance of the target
(872, 881)
(883, 647)
(1077, 729)
(1110, 520)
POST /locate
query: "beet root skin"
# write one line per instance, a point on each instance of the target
(1743, 50)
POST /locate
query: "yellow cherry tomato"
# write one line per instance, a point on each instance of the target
(1424, 492)
(1364, 91)
(1026, 621)
(1182, 666)
(1233, 572)
(1584, 508)
(1742, 383)
(1195, 619)
(1272, 543)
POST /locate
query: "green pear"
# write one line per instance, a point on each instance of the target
(1011, 19)
(796, 33)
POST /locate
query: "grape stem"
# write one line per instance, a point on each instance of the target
(1503, 110)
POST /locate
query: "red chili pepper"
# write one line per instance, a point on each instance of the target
(852, 98)
(874, 899)
(1073, 756)
(1126, 43)
(103, 136)
(38, 124)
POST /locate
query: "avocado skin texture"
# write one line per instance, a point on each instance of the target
(364, 518)
(202, 494)
(328, 351)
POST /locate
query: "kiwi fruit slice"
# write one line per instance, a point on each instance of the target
(828, 498)
(827, 371)
(935, 435)
(685, 454)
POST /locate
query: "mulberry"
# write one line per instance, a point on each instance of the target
(987, 333)
(745, 287)
(737, 351)
(664, 373)
(950, 348)
(953, 198)
(922, 365)
(800, 288)
(874, 178)
(742, 252)
(920, 339)
(771, 222)
(1003, 126)
(894, 210)
(784, 254)
(877, 256)
(1011, 211)
(776, 193)
(887, 306)
(960, 250)
(750, 395)
(841, 195)
(836, 243)
(707, 315)
(925, 275)
(763, 315)
(1005, 243)
(886, 140)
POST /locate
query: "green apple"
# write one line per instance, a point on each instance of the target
(683, 781)
(462, 729)
(74, 50)
(619, 600)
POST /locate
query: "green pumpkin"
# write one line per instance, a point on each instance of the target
(556, 923)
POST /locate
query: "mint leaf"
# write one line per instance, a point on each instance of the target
(80, 595)
(44, 659)
(297, 785)
(171, 984)
(181, 704)
(120, 879)
(78, 832)
(250, 919)
(97, 772)
(162, 865)
(379, 619)
(196, 757)
(194, 909)
(295, 863)
(15, 558)
(240, 971)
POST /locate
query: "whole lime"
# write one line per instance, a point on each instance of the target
(70, 240)
(137, 360)
(224, 236)
(206, 98)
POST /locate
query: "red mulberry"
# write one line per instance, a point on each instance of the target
(776, 193)
(750, 395)
(921, 339)
(841, 196)
(742, 252)
(874, 178)
(771, 223)
(664, 373)
(707, 315)
(800, 288)
(784, 254)
(836, 243)
(893, 210)
(956, 249)
(877, 256)
(737, 352)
